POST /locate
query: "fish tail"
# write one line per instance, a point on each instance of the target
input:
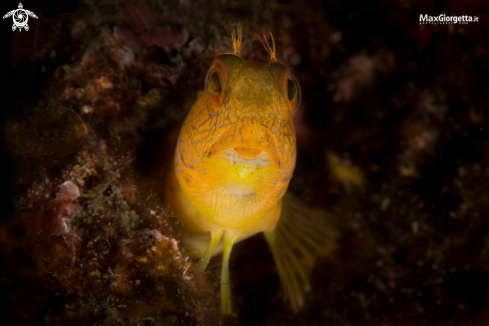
(299, 238)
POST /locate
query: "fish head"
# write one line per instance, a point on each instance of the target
(239, 138)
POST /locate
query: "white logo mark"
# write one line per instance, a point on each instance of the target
(20, 17)
(444, 19)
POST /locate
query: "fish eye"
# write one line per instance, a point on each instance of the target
(216, 79)
(293, 90)
(214, 82)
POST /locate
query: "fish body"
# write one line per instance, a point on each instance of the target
(234, 159)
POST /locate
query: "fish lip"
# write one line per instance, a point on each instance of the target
(256, 157)
(246, 135)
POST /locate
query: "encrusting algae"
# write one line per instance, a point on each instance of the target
(235, 156)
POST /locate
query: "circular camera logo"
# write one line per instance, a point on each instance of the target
(20, 17)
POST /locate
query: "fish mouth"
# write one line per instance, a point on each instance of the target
(248, 153)
(250, 142)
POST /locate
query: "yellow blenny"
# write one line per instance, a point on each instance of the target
(234, 159)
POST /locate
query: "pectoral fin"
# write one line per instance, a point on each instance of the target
(301, 235)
